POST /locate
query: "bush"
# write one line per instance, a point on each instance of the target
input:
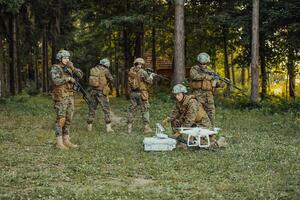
(31, 89)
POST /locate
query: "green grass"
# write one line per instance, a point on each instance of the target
(262, 161)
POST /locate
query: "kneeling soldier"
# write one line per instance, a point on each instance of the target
(63, 96)
(98, 80)
(188, 112)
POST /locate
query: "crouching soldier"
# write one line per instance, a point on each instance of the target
(99, 80)
(63, 95)
(188, 112)
(139, 81)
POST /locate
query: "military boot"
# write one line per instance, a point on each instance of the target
(182, 146)
(108, 128)
(66, 140)
(129, 128)
(60, 144)
(147, 129)
(89, 127)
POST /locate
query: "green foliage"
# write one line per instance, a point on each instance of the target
(11, 6)
(269, 105)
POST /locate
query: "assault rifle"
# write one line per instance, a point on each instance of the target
(151, 71)
(216, 76)
(77, 86)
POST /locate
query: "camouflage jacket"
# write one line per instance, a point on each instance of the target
(186, 111)
(139, 79)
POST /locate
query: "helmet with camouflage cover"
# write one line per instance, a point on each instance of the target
(105, 62)
(179, 88)
(203, 58)
(139, 60)
(62, 54)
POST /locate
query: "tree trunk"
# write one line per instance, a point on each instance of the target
(56, 32)
(139, 41)
(226, 63)
(31, 67)
(127, 60)
(53, 51)
(13, 54)
(153, 48)
(232, 69)
(36, 69)
(19, 74)
(243, 76)
(255, 53)
(263, 69)
(179, 60)
(291, 74)
(2, 70)
(45, 60)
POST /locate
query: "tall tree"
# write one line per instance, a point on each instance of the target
(179, 59)
(13, 54)
(255, 53)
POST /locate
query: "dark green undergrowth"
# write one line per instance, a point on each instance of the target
(261, 162)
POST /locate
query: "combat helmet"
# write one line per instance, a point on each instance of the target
(105, 62)
(203, 58)
(62, 54)
(139, 60)
(179, 88)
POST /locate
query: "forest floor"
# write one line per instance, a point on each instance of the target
(261, 162)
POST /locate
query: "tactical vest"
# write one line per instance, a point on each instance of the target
(97, 77)
(61, 91)
(206, 84)
(135, 80)
(184, 106)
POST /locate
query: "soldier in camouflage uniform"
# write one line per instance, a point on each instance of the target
(139, 81)
(187, 111)
(99, 79)
(63, 96)
(202, 86)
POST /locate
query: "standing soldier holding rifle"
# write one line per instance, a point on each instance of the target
(139, 80)
(99, 79)
(202, 85)
(63, 96)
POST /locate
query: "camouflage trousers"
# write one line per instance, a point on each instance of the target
(99, 98)
(64, 110)
(135, 102)
(206, 98)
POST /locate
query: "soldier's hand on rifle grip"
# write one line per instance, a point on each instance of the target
(151, 75)
(70, 64)
(71, 80)
(78, 73)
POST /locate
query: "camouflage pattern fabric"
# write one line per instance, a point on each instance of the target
(185, 114)
(206, 98)
(99, 98)
(135, 102)
(64, 109)
(63, 100)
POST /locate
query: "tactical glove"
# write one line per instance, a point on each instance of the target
(78, 73)
(71, 80)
